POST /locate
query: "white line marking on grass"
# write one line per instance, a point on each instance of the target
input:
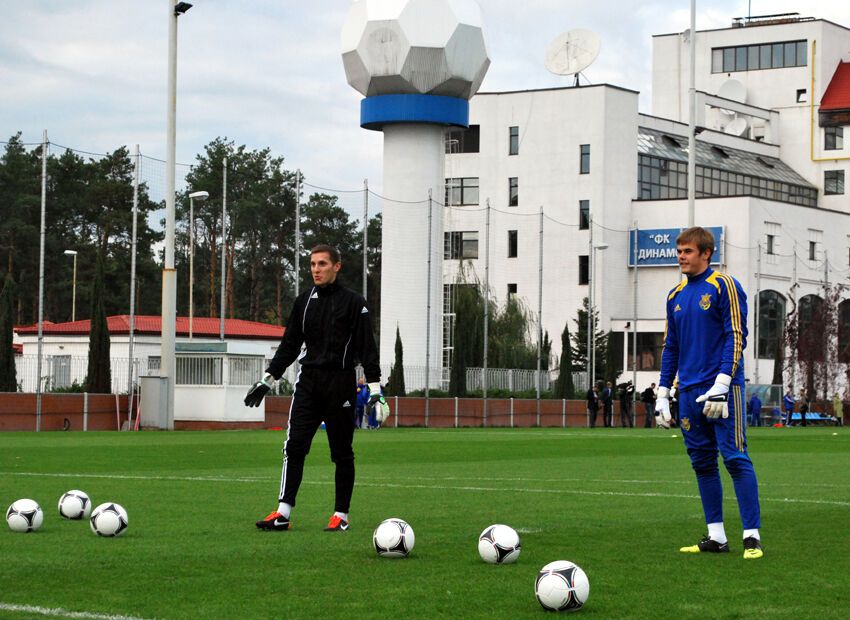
(434, 487)
(64, 613)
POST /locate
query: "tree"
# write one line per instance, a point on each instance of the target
(580, 357)
(564, 387)
(395, 384)
(468, 330)
(8, 376)
(779, 360)
(99, 377)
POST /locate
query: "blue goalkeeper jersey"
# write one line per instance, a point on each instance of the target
(706, 331)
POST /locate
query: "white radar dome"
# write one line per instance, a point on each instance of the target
(433, 47)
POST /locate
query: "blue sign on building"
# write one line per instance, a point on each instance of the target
(656, 247)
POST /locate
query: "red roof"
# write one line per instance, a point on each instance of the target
(837, 95)
(201, 327)
(18, 349)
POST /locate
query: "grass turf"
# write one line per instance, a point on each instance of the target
(617, 502)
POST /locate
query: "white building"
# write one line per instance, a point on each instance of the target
(773, 104)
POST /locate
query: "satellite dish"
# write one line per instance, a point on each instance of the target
(734, 90)
(571, 52)
(738, 127)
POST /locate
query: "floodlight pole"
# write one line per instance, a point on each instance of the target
(44, 145)
(132, 325)
(223, 248)
(365, 234)
(692, 138)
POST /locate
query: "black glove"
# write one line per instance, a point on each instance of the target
(259, 390)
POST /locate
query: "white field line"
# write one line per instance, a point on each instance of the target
(434, 487)
(62, 613)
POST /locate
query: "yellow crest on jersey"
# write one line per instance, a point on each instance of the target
(686, 424)
(705, 301)
(677, 308)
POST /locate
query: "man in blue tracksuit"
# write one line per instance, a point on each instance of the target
(704, 343)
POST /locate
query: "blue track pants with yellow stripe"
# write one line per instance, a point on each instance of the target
(704, 438)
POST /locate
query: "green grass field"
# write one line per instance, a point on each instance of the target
(617, 502)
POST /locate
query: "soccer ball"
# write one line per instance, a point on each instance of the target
(561, 586)
(499, 544)
(24, 515)
(109, 519)
(393, 538)
(75, 505)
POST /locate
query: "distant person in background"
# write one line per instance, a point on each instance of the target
(361, 402)
(838, 410)
(804, 406)
(647, 397)
(626, 393)
(608, 404)
(788, 405)
(592, 405)
(755, 410)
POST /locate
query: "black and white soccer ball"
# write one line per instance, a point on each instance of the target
(561, 586)
(393, 538)
(24, 515)
(109, 519)
(499, 544)
(75, 505)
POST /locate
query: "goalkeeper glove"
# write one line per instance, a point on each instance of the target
(378, 403)
(259, 390)
(716, 399)
(662, 408)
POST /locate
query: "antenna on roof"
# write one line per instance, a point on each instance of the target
(572, 51)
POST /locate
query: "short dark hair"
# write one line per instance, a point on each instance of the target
(329, 249)
(700, 237)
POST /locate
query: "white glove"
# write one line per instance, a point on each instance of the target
(662, 408)
(716, 399)
(378, 403)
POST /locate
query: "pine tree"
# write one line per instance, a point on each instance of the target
(395, 384)
(99, 377)
(564, 387)
(8, 376)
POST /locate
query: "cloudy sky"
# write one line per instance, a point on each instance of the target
(268, 72)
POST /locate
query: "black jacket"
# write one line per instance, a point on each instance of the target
(333, 322)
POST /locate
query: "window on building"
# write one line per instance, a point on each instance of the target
(512, 244)
(833, 182)
(583, 270)
(771, 323)
(513, 191)
(196, 370)
(649, 347)
(771, 244)
(513, 144)
(584, 161)
(754, 57)
(461, 192)
(511, 289)
(833, 138)
(813, 250)
(583, 214)
(810, 333)
(459, 244)
(802, 95)
(61, 371)
(463, 140)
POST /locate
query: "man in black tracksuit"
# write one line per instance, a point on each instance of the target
(332, 322)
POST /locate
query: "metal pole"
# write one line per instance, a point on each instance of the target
(191, 263)
(794, 284)
(826, 327)
(539, 311)
(365, 233)
(297, 231)
(589, 301)
(758, 311)
(484, 366)
(223, 304)
(428, 316)
(44, 145)
(635, 322)
(74, 292)
(692, 138)
(132, 326)
(169, 275)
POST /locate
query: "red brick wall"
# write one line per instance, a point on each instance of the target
(18, 411)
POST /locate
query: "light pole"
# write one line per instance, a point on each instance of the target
(591, 321)
(74, 286)
(168, 357)
(200, 197)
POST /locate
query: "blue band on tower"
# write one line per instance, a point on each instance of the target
(377, 111)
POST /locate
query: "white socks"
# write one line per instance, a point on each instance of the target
(284, 509)
(752, 534)
(717, 533)
(342, 515)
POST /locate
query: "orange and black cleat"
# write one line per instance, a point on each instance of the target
(337, 524)
(274, 522)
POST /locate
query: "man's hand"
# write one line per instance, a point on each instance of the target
(716, 399)
(662, 408)
(378, 403)
(259, 390)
